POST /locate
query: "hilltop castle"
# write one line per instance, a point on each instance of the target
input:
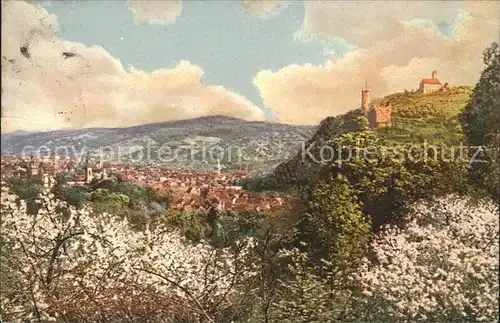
(381, 116)
(378, 117)
(432, 84)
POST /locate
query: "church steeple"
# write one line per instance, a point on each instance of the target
(30, 167)
(99, 162)
(88, 169)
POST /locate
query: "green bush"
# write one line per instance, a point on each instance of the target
(27, 189)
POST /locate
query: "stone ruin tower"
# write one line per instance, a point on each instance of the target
(365, 98)
(378, 117)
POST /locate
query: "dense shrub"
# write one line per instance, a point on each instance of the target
(481, 122)
(442, 266)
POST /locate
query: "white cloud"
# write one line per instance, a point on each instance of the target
(93, 85)
(167, 11)
(363, 23)
(264, 8)
(156, 11)
(392, 55)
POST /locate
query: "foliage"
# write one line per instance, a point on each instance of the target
(192, 225)
(431, 106)
(264, 184)
(139, 204)
(306, 297)
(73, 266)
(481, 121)
(363, 123)
(26, 189)
(63, 178)
(106, 201)
(305, 278)
(441, 267)
(143, 199)
(297, 172)
(225, 230)
(73, 195)
(385, 178)
(332, 225)
(363, 178)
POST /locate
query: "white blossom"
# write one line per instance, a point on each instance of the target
(76, 264)
(442, 266)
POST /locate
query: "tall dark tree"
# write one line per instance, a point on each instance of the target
(333, 226)
(481, 122)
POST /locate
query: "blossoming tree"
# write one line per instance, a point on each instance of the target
(68, 264)
(442, 267)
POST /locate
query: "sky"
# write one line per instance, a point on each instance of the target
(283, 61)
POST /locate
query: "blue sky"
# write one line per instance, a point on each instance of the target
(230, 45)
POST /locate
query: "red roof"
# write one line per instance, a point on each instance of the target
(431, 81)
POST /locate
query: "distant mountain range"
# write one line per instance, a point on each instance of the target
(201, 143)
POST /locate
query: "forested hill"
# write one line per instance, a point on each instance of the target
(417, 118)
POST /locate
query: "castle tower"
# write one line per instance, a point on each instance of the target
(365, 98)
(434, 75)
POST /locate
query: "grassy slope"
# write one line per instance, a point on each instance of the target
(432, 117)
(416, 117)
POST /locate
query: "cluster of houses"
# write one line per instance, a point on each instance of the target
(46, 168)
(201, 191)
(190, 190)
